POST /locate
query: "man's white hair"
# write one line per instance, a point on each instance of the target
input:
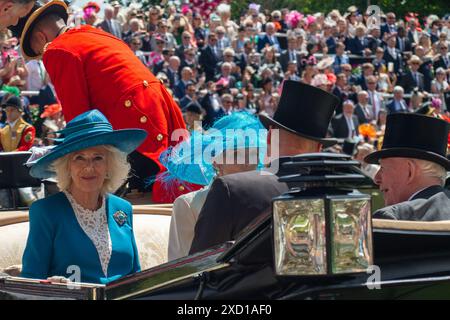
(432, 170)
(399, 89)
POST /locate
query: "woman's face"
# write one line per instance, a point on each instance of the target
(88, 169)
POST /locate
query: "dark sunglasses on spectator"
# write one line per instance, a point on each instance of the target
(188, 38)
(159, 42)
(443, 48)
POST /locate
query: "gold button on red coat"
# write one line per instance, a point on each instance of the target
(143, 119)
(159, 137)
(181, 188)
(145, 83)
(128, 103)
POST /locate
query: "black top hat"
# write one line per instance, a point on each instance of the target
(38, 12)
(12, 101)
(193, 107)
(349, 146)
(304, 110)
(414, 136)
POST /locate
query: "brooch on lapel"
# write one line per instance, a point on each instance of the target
(120, 217)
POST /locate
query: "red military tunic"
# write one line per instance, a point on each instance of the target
(92, 69)
(18, 138)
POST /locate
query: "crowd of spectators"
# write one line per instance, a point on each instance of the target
(215, 65)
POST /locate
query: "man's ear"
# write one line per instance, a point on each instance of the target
(412, 170)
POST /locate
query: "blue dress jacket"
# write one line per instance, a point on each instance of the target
(56, 241)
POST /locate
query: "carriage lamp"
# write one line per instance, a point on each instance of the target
(322, 225)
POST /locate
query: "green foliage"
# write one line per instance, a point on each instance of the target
(400, 7)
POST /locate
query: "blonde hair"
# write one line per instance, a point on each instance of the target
(432, 170)
(117, 172)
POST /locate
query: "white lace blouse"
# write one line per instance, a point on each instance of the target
(95, 225)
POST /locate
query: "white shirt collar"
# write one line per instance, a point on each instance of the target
(12, 124)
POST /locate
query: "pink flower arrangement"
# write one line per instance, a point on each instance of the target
(310, 19)
(293, 18)
(185, 9)
(204, 8)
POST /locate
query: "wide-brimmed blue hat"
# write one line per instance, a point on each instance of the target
(87, 130)
(187, 162)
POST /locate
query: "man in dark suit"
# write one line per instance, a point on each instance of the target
(190, 95)
(403, 42)
(358, 44)
(413, 168)
(393, 55)
(363, 110)
(236, 200)
(211, 103)
(413, 78)
(180, 87)
(269, 39)
(172, 71)
(443, 61)
(209, 57)
(345, 125)
(389, 26)
(373, 39)
(340, 90)
(185, 44)
(290, 54)
(111, 25)
(397, 104)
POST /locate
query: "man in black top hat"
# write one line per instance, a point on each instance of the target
(413, 168)
(298, 126)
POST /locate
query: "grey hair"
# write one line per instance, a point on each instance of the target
(117, 172)
(398, 89)
(432, 170)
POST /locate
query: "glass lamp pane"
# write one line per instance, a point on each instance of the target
(299, 235)
(351, 235)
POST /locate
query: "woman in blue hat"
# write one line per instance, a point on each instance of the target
(235, 143)
(84, 232)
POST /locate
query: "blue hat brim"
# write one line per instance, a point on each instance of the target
(126, 140)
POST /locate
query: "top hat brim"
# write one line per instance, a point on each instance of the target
(53, 7)
(374, 157)
(126, 140)
(268, 121)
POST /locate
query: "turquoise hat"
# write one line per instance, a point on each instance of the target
(87, 130)
(191, 160)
